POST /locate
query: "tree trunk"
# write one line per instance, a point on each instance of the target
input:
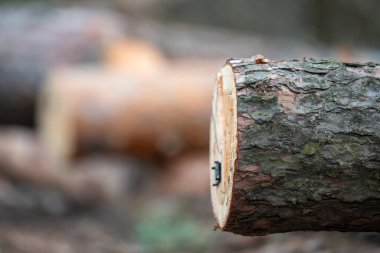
(299, 146)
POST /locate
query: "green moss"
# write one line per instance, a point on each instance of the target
(311, 148)
(346, 161)
(275, 167)
(296, 184)
(304, 189)
(254, 128)
(353, 149)
(265, 185)
(344, 154)
(264, 115)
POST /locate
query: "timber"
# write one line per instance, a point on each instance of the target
(299, 146)
(87, 109)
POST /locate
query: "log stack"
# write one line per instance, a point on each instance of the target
(298, 144)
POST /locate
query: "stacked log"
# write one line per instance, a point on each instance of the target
(95, 109)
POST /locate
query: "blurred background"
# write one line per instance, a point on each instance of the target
(104, 117)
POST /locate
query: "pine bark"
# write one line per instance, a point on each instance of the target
(308, 147)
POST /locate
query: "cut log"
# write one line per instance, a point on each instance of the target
(298, 144)
(94, 109)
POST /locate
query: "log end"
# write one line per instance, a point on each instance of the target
(53, 114)
(223, 144)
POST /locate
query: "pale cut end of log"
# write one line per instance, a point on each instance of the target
(223, 141)
(53, 119)
(295, 146)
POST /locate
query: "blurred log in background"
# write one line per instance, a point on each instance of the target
(157, 110)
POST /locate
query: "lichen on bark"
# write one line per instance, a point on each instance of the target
(313, 129)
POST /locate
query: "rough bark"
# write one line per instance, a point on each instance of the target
(307, 147)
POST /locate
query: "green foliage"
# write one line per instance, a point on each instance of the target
(171, 232)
